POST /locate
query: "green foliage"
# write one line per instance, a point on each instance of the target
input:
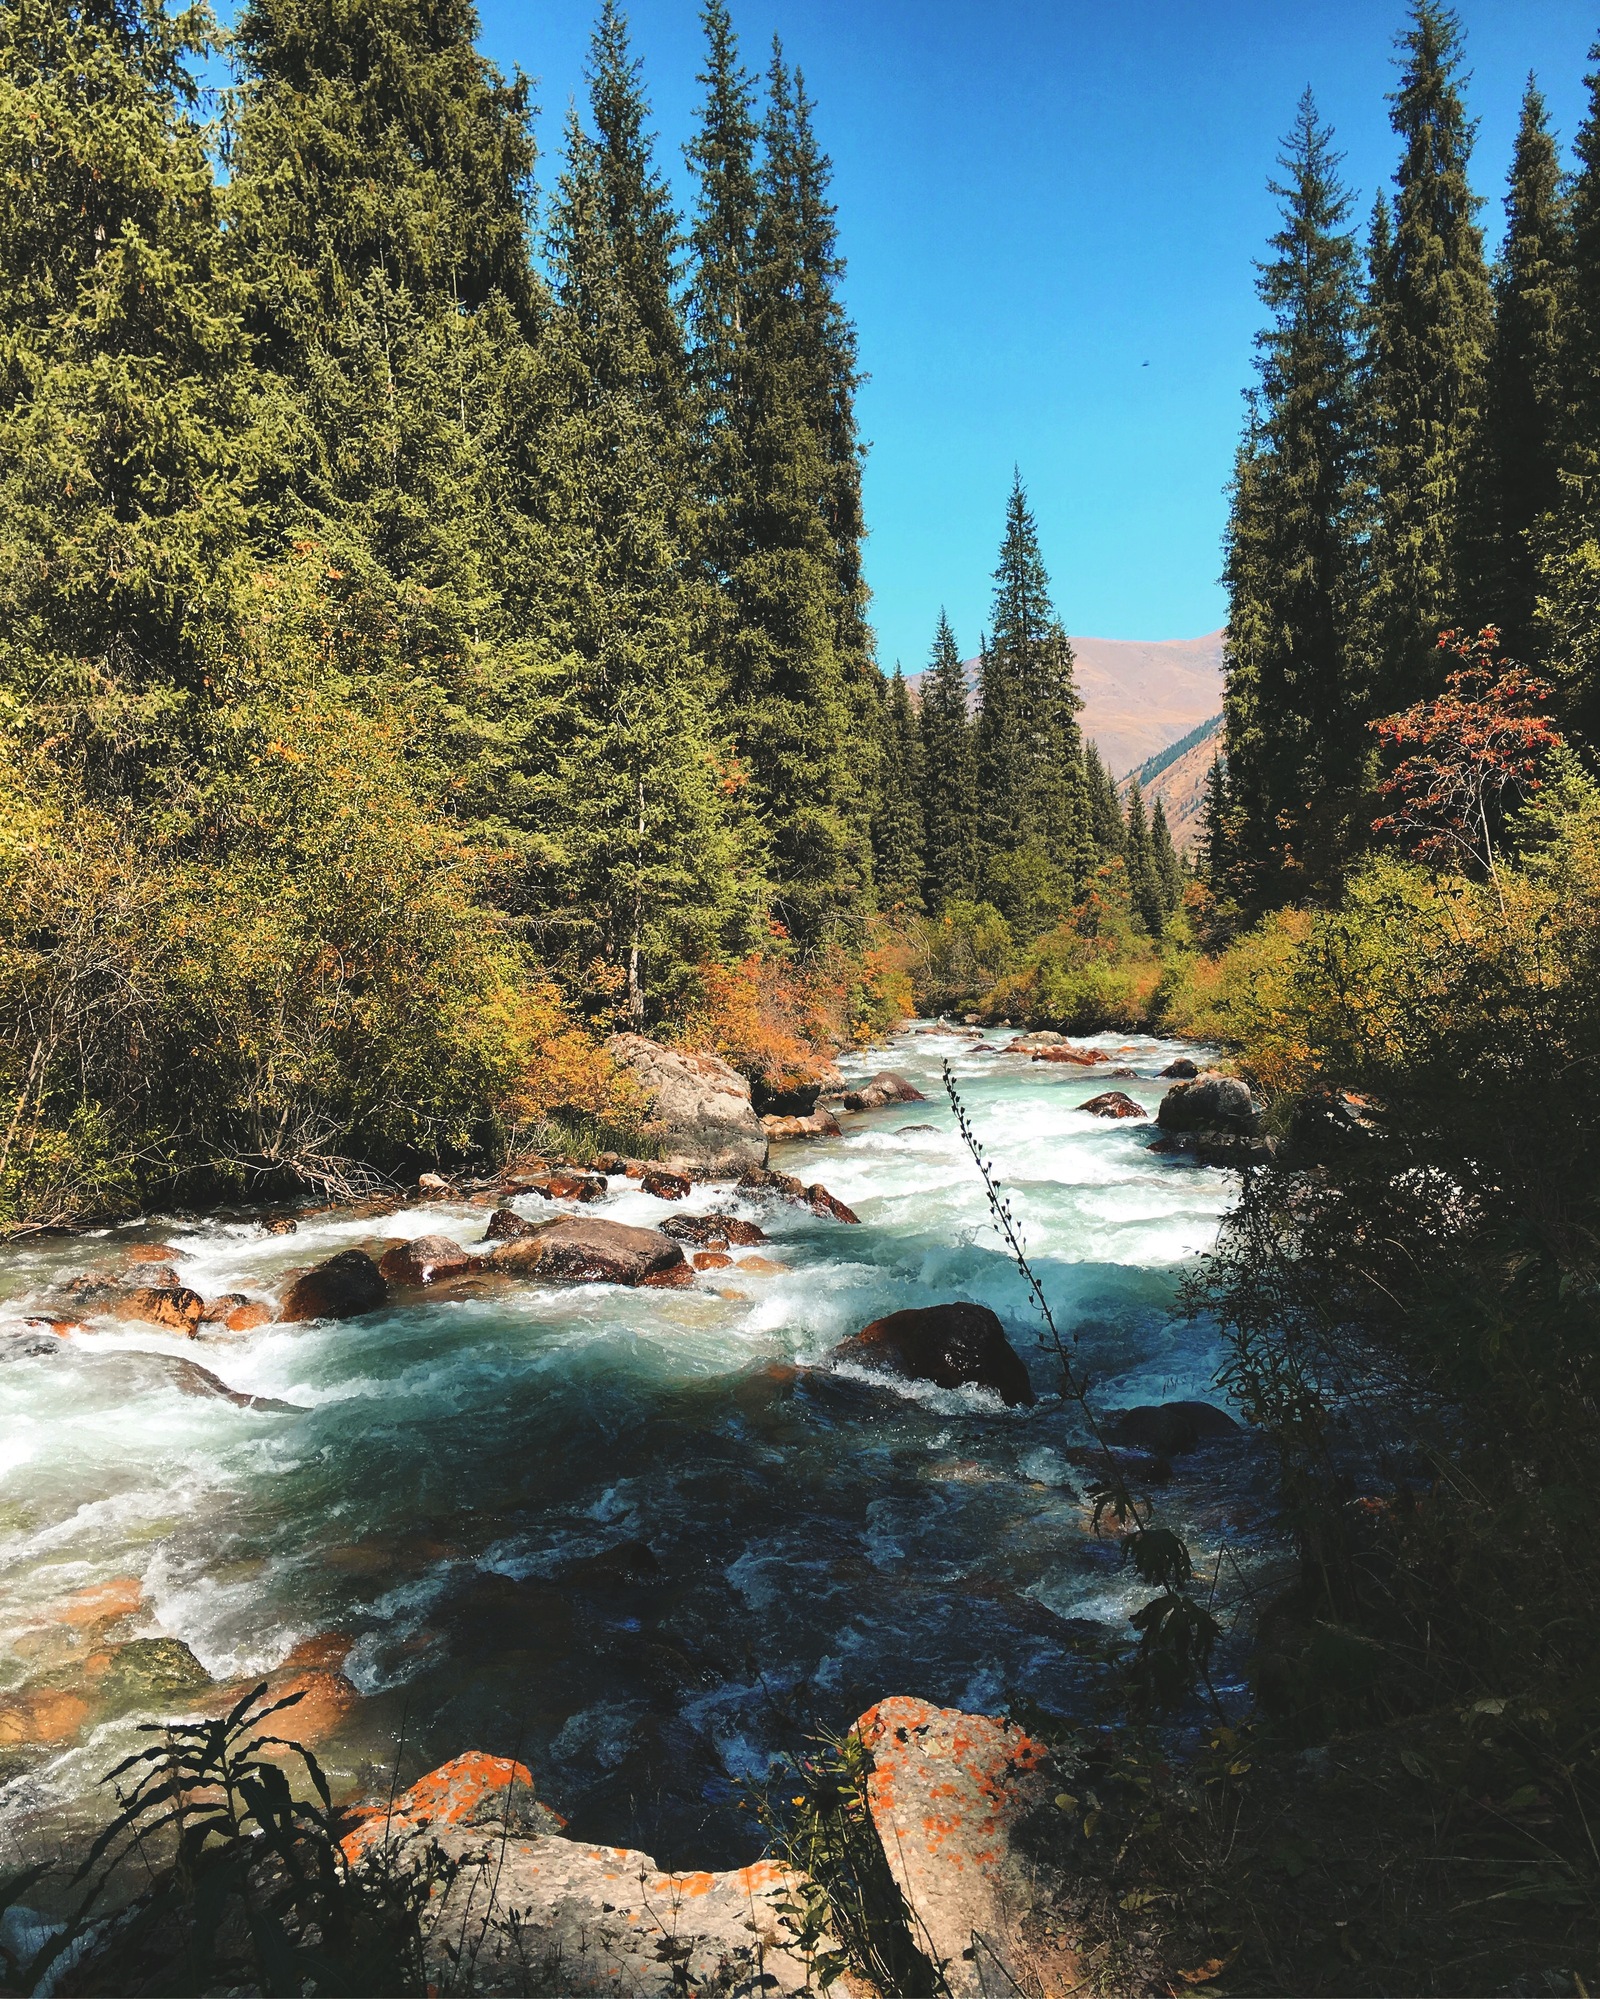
(1431, 314)
(960, 953)
(949, 776)
(1295, 668)
(898, 836)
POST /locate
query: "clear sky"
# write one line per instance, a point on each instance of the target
(1037, 198)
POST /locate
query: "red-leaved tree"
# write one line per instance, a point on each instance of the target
(1467, 756)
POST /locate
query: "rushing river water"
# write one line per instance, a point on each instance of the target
(639, 1538)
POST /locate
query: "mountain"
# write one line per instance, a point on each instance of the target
(1141, 695)
(1181, 787)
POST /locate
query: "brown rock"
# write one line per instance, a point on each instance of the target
(342, 1288)
(760, 1180)
(174, 1306)
(505, 1225)
(706, 1228)
(1168, 1429)
(819, 1124)
(666, 1186)
(1081, 1058)
(43, 1716)
(953, 1346)
(579, 1249)
(1182, 1069)
(673, 1278)
(236, 1311)
(1211, 1103)
(423, 1260)
(1113, 1103)
(279, 1225)
(821, 1202)
(100, 1603)
(569, 1186)
(761, 1266)
(434, 1187)
(711, 1259)
(152, 1252)
(887, 1087)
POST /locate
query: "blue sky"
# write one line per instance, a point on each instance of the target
(1036, 198)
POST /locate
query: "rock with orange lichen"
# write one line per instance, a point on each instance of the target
(946, 1791)
(559, 1915)
(42, 1716)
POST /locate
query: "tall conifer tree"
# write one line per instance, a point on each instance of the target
(1105, 808)
(1145, 891)
(1521, 429)
(128, 409)
(1568, 539)
(1295, 696)
(1168, 869)
(949, 777)
(898, 834)
(1036, 838)
(1433, 323)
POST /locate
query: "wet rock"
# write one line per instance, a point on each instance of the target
(1168, 1429)
(579, 1918)
(946, 1792)
(699, 1106)
(1231, 1149)
(1125, 1075)
(706, 1228)
(1209, 1103)
(434, 1187)
(666, 1186)
(40, 1717)
(909, 1130)
(821, 1202)
(580, 1249)
(1044, 1037)
(174, 1306)
(505, 1225)
(321, 1703)
(1181, 1070)
(953, 1346)
(761, 1266)
(146, 1673)
(1080, 1058)
(819, 1124)
(236, 1310)
(342, 1288)
(887, 1087)
(101, 1603)
(762, 1180)
(163, 1253)
(628, 1562)
(711, 1259)
(424, 1260)
(570, 1186)
(1113, 1104)
(279, 1225)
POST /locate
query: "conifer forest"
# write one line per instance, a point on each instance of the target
(467, 878)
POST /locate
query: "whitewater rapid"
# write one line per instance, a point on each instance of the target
(641, 1539)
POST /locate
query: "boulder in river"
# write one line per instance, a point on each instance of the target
(1181, 1069)
(570, 1186)
(953, 1346)
(821, 1202)
(666, 1186)
(699, 1106)
(1168, 1429)
(887, 1087)
(583, 1249)
(236, 1310)
(1043, 1037)
(706, 1228)
(819, 1124)
(1080, 1058)
(1113, 1103)
(424, 1260)
(761, 1180)
(174, 1306)
(505, 1224)
(342, 1288)
(1209, 1103)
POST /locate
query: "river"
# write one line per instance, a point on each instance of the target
(640, 1539)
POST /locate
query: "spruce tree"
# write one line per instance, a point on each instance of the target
(802, 709)
(1521, 426)
(1567, 540)
(898, 832)
(949, 777)
(1295, 696)
(132, 426)
(1167, 868)
(649, 866)
(1145, 893)
(1036, 839)
(1433, 325)
(1105, 808)
(1216, 859)
(636, 206)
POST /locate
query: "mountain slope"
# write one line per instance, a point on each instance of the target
(1181, 787)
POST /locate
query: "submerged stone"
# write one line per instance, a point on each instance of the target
(953, 1346)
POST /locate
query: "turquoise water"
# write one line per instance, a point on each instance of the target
(463, 1509)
